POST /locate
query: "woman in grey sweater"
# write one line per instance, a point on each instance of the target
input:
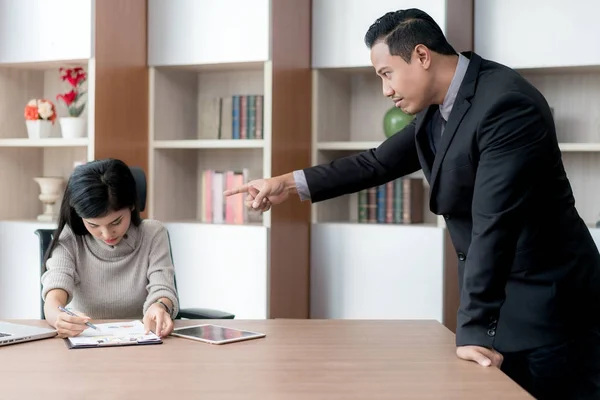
(104, 261)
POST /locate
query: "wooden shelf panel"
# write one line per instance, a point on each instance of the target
(217, 67)
(200, 222)
(348, 145)
(209, 144)
(356, 223)
(46, 65)
(579, 147)
(47, 142)
(366, 145)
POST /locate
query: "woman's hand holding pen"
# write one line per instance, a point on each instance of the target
(69, 325)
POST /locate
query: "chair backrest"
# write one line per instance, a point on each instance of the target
(46, 235)
(140, 185)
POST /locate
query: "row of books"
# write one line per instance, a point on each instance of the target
(396, 202)
(215, 207)
(232, 117)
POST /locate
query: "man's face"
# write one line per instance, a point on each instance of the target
(406, 84)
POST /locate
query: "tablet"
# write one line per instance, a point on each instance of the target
(215, 334)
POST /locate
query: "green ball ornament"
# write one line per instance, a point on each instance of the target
(395, 120)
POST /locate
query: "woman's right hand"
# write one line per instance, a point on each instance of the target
(69, 326)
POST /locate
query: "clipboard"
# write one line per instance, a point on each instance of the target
(130, 333)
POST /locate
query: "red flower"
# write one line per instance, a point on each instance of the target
(68, 97)
(75, 76)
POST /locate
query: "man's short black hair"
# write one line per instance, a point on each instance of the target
(403, 30)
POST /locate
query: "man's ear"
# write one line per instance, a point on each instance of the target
(422, 56)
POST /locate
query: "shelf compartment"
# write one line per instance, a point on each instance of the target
(199, 104)
(348, 106)
(31, 81)
(177, 186)
(18, 167)
(209, 144)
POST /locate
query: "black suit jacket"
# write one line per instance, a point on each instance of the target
(529, 271)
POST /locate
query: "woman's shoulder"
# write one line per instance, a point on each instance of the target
(67, 235)
(152, 227)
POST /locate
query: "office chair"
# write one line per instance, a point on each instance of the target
(45, 237)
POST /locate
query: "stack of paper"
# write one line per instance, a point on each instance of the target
(114, 334)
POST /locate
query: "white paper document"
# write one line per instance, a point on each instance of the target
(114, 334)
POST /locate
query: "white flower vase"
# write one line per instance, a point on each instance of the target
(73, 127)
(50, 192)
(39, 128)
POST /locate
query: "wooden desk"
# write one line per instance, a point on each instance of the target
(299, 359)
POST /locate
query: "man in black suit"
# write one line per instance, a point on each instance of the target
(529, 271)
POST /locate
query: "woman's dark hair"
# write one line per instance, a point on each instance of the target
(403, 30)
(94, 190)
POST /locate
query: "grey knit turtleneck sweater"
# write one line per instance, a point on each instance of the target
(113, 282)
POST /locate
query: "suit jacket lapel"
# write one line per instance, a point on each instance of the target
(422, 141)
(460, 108)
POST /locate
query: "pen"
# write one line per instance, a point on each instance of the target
(75, 315)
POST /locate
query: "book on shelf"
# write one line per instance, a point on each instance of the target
(231, 117)
(215, 207)
(396, 202)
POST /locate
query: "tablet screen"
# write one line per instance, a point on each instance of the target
(215, 333)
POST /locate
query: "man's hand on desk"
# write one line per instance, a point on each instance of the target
(481, 355)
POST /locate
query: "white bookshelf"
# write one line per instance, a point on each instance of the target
(575, 97)
(29, 69)
(179, 149)
(348, 111)
(191, 89)
(348, 104)
(359, 269)
(571, 85)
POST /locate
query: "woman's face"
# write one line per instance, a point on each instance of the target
(111, 227)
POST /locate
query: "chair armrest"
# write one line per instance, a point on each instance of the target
(204, 313)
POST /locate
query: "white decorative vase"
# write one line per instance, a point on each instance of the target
(50, 192)
(73, 127)
(39, 128)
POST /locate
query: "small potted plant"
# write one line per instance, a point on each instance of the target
(40, 115)
(73, 126)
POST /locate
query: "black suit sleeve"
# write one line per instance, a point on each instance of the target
(395, 157)
(514, 148)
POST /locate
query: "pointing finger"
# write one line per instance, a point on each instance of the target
(237, 190)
